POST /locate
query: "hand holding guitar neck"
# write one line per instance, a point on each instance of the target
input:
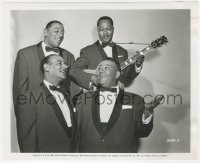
(139, 59)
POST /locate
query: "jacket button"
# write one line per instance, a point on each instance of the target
(103, 140)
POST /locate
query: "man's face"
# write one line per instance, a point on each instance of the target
(56, 67)
(107, 73)
(105, 31)
(54, 35)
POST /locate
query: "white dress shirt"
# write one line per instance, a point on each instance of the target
(45, 52)
(107, 101)
(61, 103)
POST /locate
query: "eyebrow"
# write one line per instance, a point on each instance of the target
(59, 60)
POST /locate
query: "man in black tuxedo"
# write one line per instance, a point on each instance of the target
(48, 121)
(110, 120)
(27, 75)
(90, 56)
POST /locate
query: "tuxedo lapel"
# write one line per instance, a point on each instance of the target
(56, 108)
(60, 52)
(115, 53)
(102, 52)
(72, 116)
(95, 112)
(40, 51)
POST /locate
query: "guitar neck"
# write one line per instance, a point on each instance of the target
(132, 59)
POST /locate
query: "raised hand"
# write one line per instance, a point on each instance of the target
(150, 106)
(95, 80)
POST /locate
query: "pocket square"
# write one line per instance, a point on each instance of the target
(126, 107)
(120, 56)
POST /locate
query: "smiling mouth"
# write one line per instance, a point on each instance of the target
(100, 76)
(63, 71)
(106, 37)
(59, 39)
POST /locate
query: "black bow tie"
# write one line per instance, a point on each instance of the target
(48, 49)
(103, 89)
(61, 90)
(107, 44)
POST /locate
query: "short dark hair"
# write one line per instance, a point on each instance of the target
(52, 22)
(105, 18)
(117, 64)
(45, 60)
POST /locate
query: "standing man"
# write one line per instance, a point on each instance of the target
(27, 74)
(48, 121)
(110, 120)
(92, 55)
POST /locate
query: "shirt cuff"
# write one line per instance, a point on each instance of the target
(138, 69)
(147, 120)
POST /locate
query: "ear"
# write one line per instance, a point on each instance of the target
(46, 67)
(117, 75)
(45, 32)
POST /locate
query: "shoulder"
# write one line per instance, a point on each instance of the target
(28, 49)
(121, 49)
(66, 52)
(89, 47)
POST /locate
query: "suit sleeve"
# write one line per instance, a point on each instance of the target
(142, 130)
(25, 114)
(20, 79)
(80, 77)
(26, 123)
(129, 73)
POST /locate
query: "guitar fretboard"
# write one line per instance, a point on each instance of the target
(133, 59)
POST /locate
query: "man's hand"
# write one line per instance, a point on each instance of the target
(139, 59)
(95, 80)
(150, 106)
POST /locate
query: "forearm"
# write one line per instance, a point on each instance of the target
(144, 123)
(79, 77)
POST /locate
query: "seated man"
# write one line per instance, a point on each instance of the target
(109, 119)
(49, 124)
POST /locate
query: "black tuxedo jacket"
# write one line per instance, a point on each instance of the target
(91, 56)
(43, 127)
(27, 76)
(119, 135)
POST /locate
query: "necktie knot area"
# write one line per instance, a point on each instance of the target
(49, 49)
(107, 44)
(61, 90)
(103, 89)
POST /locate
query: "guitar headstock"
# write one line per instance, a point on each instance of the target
(159, 42)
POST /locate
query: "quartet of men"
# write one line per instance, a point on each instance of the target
(105, 119)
